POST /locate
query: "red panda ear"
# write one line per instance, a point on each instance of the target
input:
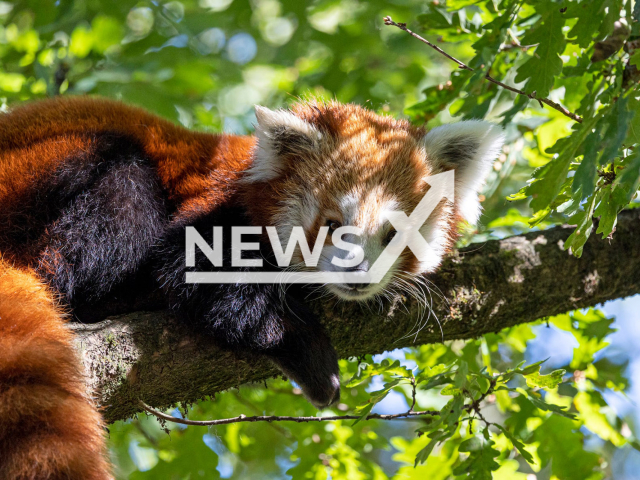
(281, 135)
(469, 148)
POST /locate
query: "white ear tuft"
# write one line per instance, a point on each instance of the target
(270, 120)
(279, 133)
(469, 147)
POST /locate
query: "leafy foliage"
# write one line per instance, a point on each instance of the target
(484, 418)
(490, 410)
(592, 170)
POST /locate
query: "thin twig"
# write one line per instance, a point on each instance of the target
(413, 393)
(515, 43)
(464, 66)
(513, 46)
(276, 418)
(247, 404)
(474, 406)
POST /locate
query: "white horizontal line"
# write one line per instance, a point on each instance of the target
(279, 277)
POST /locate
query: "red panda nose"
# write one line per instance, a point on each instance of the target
(362, 267)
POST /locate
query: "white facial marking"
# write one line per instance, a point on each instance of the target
(367, 210)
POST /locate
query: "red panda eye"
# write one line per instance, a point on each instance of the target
(390, 235)
(333, 225)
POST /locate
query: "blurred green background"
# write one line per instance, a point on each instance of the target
(204, 64)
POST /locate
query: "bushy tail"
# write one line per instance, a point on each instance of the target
(49, 427)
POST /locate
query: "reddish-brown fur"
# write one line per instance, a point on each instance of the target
(49, 427)
(37, 136)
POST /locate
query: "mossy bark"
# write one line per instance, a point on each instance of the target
(484, 288)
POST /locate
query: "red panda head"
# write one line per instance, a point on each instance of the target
(323, 165)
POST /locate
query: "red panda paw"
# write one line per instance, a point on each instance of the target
(315, 371)
(322, 391)
(323, 394)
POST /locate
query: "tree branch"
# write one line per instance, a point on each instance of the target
(151, 356)
(464, 66)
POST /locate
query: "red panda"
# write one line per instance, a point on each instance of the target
(93, 192)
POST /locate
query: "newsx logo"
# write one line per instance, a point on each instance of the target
(408, 228)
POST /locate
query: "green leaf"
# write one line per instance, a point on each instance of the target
(460, 378)
(451, 390)
(529, 369)
(452, 411)
(584, 226)
(552, 380)
(519, 104)
(481, 460)
(627, 181)
(429, 373)
(541, 70)
(607, 212)
(364, 411)
(584, 180)
(366, 371)
(471, 444)
(438, 98)
(618, 121)
(494, 34)
(435, 381)
(590, 17)
(435, 18)
(590, 329)
(549, 407)
(561, 446)
(436, 438)
(633, 134)
(376, 397)
(590, 407)
(11, 82)
(196, 456)
(517, 443)
(550, 178)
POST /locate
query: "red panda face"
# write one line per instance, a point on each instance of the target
(323, 166)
